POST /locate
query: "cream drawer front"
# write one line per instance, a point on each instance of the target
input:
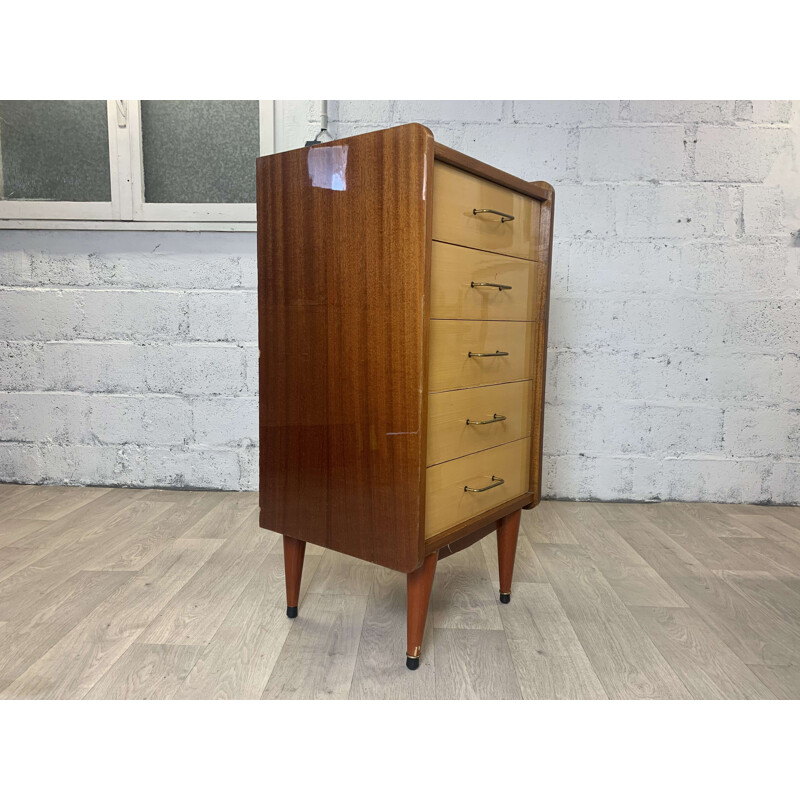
(450, 435)
(457, 194)
(456, 291)
(448, 503)
(462, 353)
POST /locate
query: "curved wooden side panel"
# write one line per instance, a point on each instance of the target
(542, 295)
(344, 282)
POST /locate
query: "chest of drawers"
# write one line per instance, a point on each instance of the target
(402, 296)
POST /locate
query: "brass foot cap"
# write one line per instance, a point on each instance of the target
(412, 662)
(291, 611)
(505, 597)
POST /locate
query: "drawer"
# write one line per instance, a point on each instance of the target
(447, 501)
(462, 353)
(450, 435)
(457, 194)
(456, 291)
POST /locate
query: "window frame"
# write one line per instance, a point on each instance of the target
(128, 209)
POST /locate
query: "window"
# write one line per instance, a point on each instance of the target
(152, 164)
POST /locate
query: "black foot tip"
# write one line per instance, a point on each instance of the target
(505, 598)
(412, 662)
(291, 611)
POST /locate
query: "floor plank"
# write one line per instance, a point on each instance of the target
(319, 656)
(550, 662)
(156, 593)
(784, 682)
(627, 663)
(463, 595)
(147, 672)
(709, 669)
(241, 655)
(380, 672)
(72, 666)
(474, 665)
(24, 641)
(193, 616)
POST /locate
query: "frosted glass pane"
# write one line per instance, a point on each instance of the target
(200, 151)
(54, 150)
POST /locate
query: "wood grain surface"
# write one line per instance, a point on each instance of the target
(606, 602)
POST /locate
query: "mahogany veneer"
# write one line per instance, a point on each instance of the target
(395, 273)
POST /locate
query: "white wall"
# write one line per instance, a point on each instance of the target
(674, 362)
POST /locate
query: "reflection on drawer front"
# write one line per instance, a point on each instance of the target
(468, 420)
(464, 353)
(457, 195)
(462, 284)
(449, 500)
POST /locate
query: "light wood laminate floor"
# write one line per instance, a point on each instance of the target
(126, 593)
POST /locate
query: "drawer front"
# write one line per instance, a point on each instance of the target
(456, 291)
(457, 194)
(468, 420)
(461, 353)
(448, 503)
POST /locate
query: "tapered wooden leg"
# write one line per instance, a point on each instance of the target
(418, 590)
(507, 535)
(294, 552)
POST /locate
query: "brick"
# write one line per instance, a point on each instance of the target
(534, 154)
(21, 365)
(251, 358)
(739, 154)
(705, 480)
(790, 377)
(765, 326)
(679, 212)
(195, 369)
(248, 469)
(632, 428)
(39, 314)
(584, 211)
(197, 468)
(580, 477)
(601, 265)
(569, 113)
(169, 270)
(38, 416)
(223, 316)
(136, 315)
(784, 482)
(15, 268)
(94, 366)
(452, 111)
(756, 431)
(376, 112)
(58, 269)
(143, 419)
(763, 210)
(230, 421)
(638, 323)
(761, 111)
(596, 376)
(677, 110)
(722, 378)
(631, 153)
(19, 463)
(724, 267)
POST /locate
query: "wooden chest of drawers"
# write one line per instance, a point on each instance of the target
(403, 297)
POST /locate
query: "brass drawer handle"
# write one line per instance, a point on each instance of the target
(502, 214)
(495, 483)
(488, 355)
(495, 418)
(498, 286)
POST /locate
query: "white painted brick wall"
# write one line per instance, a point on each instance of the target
(674, 361)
